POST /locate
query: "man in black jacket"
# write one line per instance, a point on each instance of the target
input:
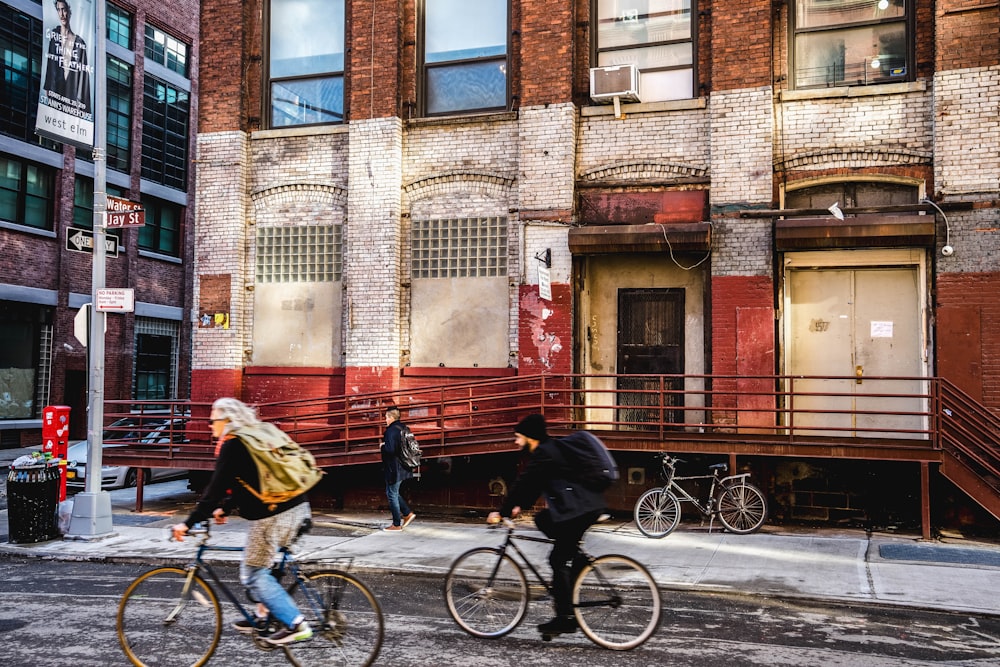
(571, 509)
(395, 472)
(271, 526)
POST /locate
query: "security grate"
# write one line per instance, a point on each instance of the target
(305, 253)
(459, 248)
(162, 370)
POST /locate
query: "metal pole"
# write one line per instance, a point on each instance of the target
(92, 508)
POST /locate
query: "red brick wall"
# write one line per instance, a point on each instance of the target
(208, 385)
(368, 379)
(979, 291)
(268, 385)
(967, 34)
(545, 331)
(221, 63)
(546, 53)
(741, 45)
(375, 50)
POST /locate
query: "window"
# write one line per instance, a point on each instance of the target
(853, 194)
(155, 358)
(464, 55)
(25, 355)
(165, 111)
(119, 26)
(306, 64)
(166, 50)
(27, 193)
(459, 248)
(119, 130)
(850, 42)
(657, 36)
(162, 231)
(303, 253)
(20, 73)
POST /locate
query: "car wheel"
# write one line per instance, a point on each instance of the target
(131, 478)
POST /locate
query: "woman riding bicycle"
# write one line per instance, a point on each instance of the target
(571, 509)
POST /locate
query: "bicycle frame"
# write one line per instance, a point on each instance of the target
(510, 542)
(709, 508)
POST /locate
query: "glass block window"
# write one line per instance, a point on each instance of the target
(304, 253)
(119, 130)
(166, 50)
(119, 26)
(459, 248)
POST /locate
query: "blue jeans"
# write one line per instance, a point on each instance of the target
(397, 504)
(268, 591)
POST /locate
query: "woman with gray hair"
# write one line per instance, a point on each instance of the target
(271, 526)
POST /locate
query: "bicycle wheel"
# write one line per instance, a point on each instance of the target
(616, 602)
(167, 617)
(657, 512)
(742, 508)
(486, 592)
(346, 621)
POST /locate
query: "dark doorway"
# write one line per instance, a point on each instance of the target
(650, 342)
(76, 398)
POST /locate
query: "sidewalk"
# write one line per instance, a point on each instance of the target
(846, 566)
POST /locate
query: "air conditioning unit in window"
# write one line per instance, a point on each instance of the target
(614, 81)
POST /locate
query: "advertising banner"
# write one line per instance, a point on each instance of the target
(66, 100)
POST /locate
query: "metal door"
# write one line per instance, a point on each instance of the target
(855, 323)
(650, 342)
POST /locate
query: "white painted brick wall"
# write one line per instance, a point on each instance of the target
(967, 131)
(741, 142)
(547, 137)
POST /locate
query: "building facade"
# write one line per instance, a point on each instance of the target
(47, 209)
(379, 185)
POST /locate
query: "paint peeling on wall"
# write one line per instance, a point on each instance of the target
(545, 343)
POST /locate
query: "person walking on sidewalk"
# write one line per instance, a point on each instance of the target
(395, 472)
(570, 510)
(271, 526)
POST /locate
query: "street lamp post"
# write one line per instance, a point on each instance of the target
(91, 515)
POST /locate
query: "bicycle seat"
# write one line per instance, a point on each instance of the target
(721, 467)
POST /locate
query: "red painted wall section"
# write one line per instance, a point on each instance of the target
(289, 384)
(368, 379)
(545, 330)
(208, 385)
(965, 295)
(734, 299)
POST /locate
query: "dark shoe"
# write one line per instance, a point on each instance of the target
(408, 519)
(393, 529)
(299, 633)
(559, 625)
(248, 627)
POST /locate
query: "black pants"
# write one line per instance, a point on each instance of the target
(565, 559)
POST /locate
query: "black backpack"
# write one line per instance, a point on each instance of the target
(588, 460)
(409, 448)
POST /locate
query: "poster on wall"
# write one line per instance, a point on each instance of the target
(214, 301)
(66, 99)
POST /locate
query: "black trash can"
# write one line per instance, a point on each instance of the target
(33, 504)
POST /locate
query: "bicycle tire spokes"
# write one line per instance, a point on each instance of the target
(617, 602)
(169, 617)
(346, 621)
(486, 593)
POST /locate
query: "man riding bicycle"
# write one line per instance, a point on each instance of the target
(571, 509)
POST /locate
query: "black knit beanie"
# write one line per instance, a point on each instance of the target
(533, 426)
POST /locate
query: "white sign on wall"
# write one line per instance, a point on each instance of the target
(544, 283)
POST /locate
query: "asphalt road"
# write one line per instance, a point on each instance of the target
(62, 613)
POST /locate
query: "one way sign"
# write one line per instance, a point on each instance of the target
(82, 240)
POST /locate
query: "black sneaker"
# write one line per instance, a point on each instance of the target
(559, 625)
(248, 627)
(299, 633)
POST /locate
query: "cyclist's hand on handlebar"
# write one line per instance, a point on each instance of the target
(178, 531)
(493, 518)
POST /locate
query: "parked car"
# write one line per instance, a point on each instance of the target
(143, 429)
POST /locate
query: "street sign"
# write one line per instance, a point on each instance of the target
(124, 213)
(82, 240)
(113, 300)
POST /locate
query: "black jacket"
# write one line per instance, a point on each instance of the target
(226, 492)
(549, 473)
(393, 468)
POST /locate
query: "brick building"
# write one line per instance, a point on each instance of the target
(46, 204)
(380, 183)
